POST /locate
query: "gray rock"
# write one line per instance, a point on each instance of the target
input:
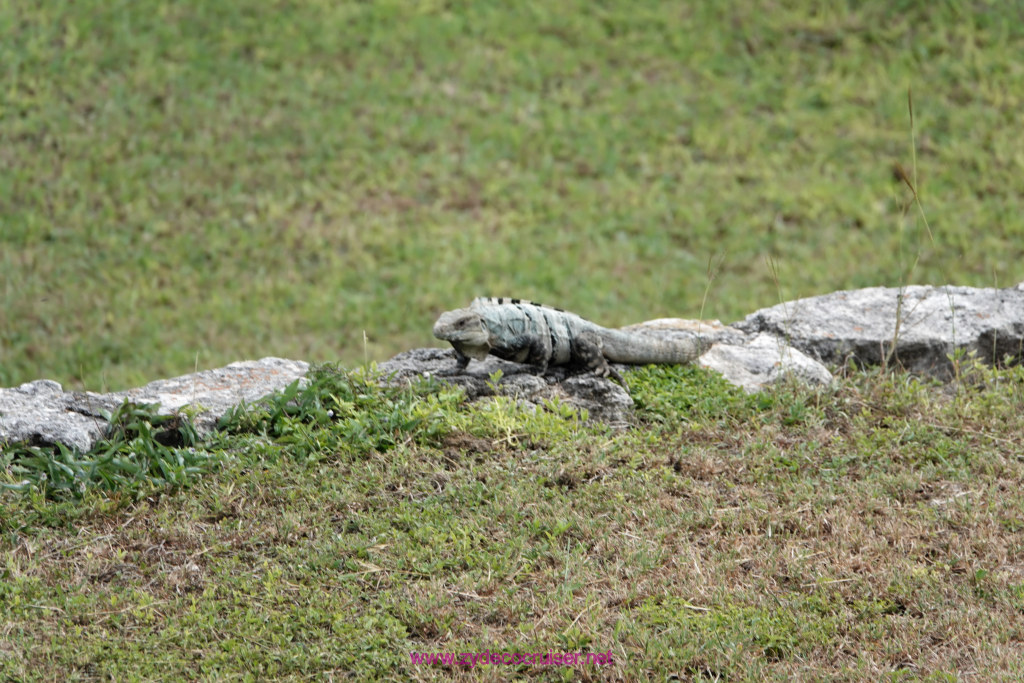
(751, 362)
(42, 413)
(603, 399)
(712, 331)
(763, 361)
(926, 324)
(36, 413)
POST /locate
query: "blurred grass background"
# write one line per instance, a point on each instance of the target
(194, 182)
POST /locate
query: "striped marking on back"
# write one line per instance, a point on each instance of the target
(504, 300)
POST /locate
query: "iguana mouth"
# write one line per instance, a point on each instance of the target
(473, 351)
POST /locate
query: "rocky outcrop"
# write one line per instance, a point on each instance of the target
(917, 328)
(42, 413)
(603, 399)
(752, 362)
(764, 361)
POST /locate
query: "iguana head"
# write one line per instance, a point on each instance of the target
(466, 331)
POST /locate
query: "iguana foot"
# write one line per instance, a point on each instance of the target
(461, 363)
(590, 352)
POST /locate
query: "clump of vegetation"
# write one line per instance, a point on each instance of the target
(329, 411)
(348, 525)
(143, 451)
(333, 410)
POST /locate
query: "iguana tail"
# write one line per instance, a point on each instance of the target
(639, 349)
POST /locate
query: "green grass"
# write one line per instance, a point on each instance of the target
(201, 182)
(866, 532)
(197, 182)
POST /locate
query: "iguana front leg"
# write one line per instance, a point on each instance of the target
(524, 348)
(461, 361)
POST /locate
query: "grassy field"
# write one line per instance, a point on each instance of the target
(868, 532)
(199, 182)
(195, 183)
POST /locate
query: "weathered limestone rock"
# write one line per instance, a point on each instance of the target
(926, 324)
(604, 400)
(751, 362)
(42, 413)
(38, 414)
(682, 328)
(763, 361)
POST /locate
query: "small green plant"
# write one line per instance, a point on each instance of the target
(143, 451)
(670, 394)
(334, 410)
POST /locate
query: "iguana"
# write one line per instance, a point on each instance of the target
(528, 332)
